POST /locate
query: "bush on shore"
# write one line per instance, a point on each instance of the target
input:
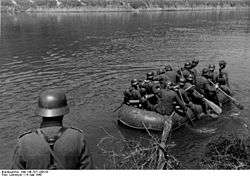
(222, 152)
(227, 152)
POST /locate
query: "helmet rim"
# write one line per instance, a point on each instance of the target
(45, 112)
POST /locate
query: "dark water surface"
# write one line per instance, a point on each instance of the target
(93, 56)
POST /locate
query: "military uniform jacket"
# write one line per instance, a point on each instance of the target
(172, 76)
(204, 86)
(165, 104)
(71, 148)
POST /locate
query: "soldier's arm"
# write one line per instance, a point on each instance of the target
(126, 96)
(185, 96)
(18, 161)
(85, 157)
(180, 102)
(197, 95)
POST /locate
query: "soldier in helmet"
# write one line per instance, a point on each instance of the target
(132, 95)
(161, 77)
(170, 74)
(194, 64)
(193, 94)
(185, 91)
(165, 100)
(206, 88)
(52, 146)
(186, 71)
(148, 83)
(212, 73)
(222, 78)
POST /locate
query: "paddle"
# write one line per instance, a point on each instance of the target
(235, 102)
(212, 105)
(164, 137)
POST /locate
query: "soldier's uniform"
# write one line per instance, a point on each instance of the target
(165, 104)
(222, 80)
(204, 87)
(172, 76)
(132, 96)
(71, 149)
(52, 146)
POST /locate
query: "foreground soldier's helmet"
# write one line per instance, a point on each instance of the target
(187, 65)
(168, 68)
(150, 75)
(134, 82)
(52, 103)
(211, 67)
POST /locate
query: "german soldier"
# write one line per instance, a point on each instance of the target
(52, 146)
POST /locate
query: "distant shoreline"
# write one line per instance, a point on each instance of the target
(80, 6)
(129, 10)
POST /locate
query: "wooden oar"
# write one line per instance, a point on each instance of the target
(237, 103)
(164, 137)
(213, 106)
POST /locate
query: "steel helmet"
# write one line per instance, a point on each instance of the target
(187, 65)
(222, 63)
(168, 68)
(134, 82)
(52, 103)
(150, 75)
(190, 77)
(195, 62)
(211, 67)
(205, 72)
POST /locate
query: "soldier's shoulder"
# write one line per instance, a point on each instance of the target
(25, 134)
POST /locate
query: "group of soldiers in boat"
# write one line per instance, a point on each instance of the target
(167, 90)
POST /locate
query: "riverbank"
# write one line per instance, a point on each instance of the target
(119, 5)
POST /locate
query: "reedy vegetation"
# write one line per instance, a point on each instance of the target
(222, 152)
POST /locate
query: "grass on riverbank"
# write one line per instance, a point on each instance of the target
(222, 152)
(131, 154)
(118, 5)
(227, 152)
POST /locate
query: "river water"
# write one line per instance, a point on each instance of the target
(93, 56)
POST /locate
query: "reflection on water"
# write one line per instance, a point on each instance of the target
(94, 55)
